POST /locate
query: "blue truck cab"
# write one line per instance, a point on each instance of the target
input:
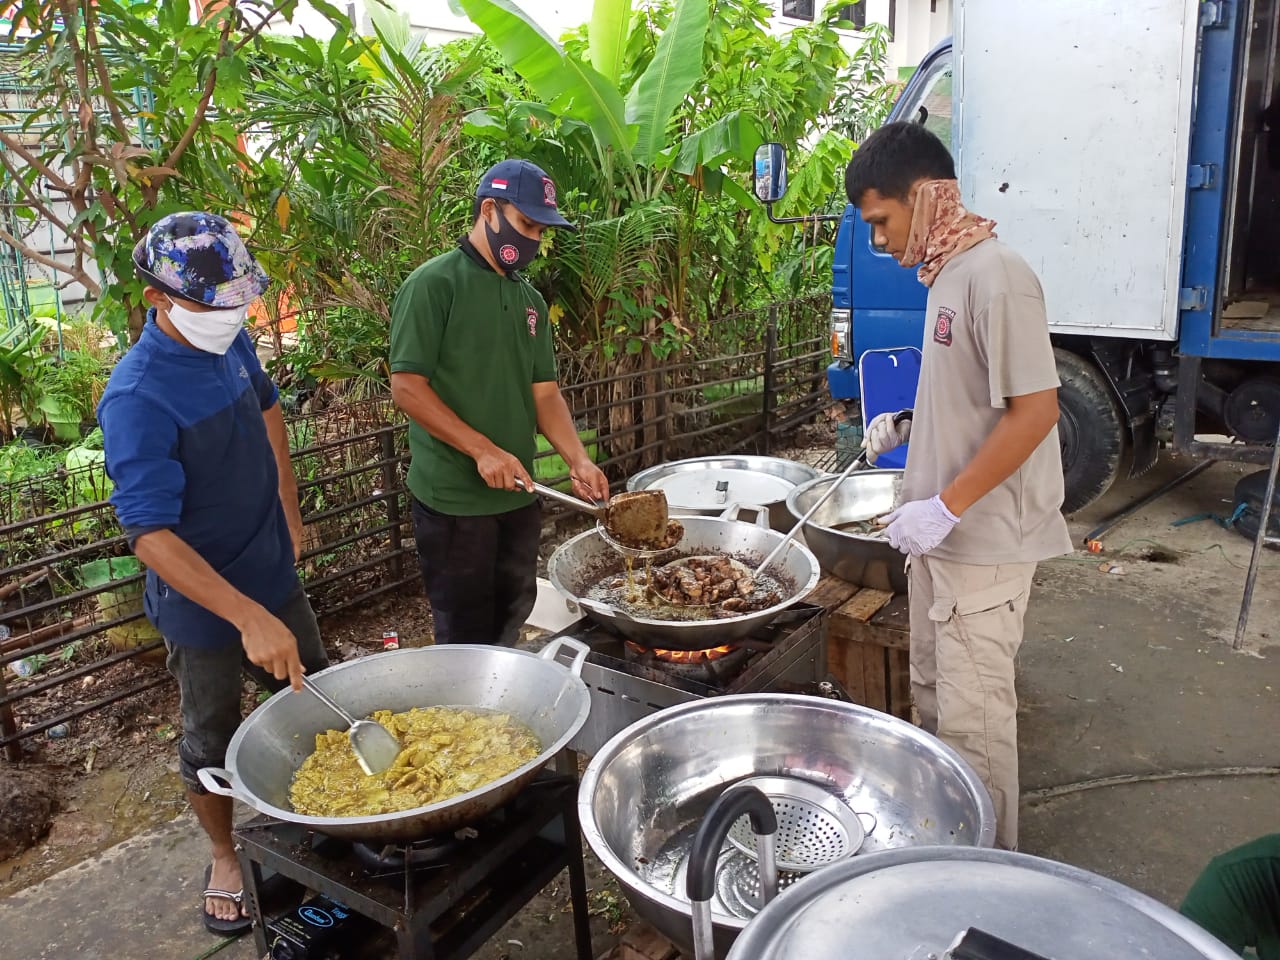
(1135, 162)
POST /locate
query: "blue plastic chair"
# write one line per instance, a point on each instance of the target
(888, 379)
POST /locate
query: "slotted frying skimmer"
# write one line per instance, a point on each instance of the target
(816, 828)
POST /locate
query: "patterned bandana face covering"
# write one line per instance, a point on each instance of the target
(941, 227)
(511, 248)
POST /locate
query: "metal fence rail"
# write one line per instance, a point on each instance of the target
(72, 643)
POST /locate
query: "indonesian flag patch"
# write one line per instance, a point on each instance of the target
(499, 184)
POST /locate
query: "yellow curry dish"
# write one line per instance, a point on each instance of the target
(447, 751)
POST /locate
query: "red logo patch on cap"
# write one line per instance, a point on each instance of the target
(548, 192)
(508, 254)
(531, 315)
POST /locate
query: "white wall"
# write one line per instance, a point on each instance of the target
(918, 29)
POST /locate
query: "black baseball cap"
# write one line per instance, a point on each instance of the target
(526, 186)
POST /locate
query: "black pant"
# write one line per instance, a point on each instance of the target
(480, 572)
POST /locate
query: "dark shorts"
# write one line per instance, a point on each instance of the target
(480, 572)
(209, 681)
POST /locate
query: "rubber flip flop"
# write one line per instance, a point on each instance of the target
(216, 925)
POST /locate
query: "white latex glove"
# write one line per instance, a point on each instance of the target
(918, 526)
(884, 435)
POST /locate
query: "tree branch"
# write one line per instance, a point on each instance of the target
(249, 36)
(95, 51)
(33, 196)
(14, 144)
(35, 255)
(206, 96)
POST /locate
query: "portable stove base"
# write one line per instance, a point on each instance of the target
(445, 911)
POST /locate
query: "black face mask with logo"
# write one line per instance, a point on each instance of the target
(511, 248)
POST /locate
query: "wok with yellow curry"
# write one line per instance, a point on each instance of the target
(447, 751)
(542, 692)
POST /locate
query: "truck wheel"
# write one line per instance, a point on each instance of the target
(1091, 430)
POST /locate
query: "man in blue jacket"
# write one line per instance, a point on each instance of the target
(196, 445)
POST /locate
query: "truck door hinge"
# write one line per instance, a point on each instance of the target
(1202, 176)
(1193, 298)
(1213, 13)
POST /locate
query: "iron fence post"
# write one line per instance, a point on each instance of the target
(391, 491)
(770, 377)
(9, 725)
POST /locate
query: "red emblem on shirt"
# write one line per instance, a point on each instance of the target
(942, 326)
(531, 315)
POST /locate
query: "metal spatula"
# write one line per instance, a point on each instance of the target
(375, 747)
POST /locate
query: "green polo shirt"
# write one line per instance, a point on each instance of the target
(483, 340)
(1237, 897)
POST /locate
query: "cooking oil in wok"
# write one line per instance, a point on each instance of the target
(625, 590)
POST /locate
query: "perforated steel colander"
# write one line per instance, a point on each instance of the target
(815, 827)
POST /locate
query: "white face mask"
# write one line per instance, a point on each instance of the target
(212, 331)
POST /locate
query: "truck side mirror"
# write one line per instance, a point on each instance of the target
(769, 173)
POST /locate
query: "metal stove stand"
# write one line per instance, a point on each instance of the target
(445, 910)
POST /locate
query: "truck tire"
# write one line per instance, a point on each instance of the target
(1091, 430)
(1250, 492)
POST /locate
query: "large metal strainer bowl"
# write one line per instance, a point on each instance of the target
(645, 792)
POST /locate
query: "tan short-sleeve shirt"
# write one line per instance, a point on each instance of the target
(986, 339)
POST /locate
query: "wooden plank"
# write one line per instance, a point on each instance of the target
(899, 684)
(844, 661)
(894, 614)
(831, 592)
(864, 605)
(642, 942)
(874, 670)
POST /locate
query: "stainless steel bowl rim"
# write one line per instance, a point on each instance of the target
(768, 933)
(628, 877)
(292, 816)
(793, 501)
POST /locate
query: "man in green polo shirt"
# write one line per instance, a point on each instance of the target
(1237, 897)
(473, 365)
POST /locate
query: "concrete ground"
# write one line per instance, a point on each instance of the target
(1127, 676)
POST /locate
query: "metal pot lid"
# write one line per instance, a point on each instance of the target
(712, 483)
(915, 903)
(710, 489)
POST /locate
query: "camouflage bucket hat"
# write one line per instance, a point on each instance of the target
(200, 257)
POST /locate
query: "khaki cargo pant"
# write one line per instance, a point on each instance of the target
(966, 627)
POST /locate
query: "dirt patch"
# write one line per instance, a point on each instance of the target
(28, 804)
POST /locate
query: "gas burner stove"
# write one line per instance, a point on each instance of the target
(713, 667)
(629, 682)
(440, 898)
(380, 858)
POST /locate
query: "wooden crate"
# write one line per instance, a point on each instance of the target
(868, 650)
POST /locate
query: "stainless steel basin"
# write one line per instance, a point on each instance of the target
(645, 792)
(863, 495)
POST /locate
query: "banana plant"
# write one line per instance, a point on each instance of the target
(635, 141)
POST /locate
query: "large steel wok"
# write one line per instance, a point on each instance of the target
(532, 687)
(581, 563)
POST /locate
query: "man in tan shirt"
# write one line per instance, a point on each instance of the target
(982, 490)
